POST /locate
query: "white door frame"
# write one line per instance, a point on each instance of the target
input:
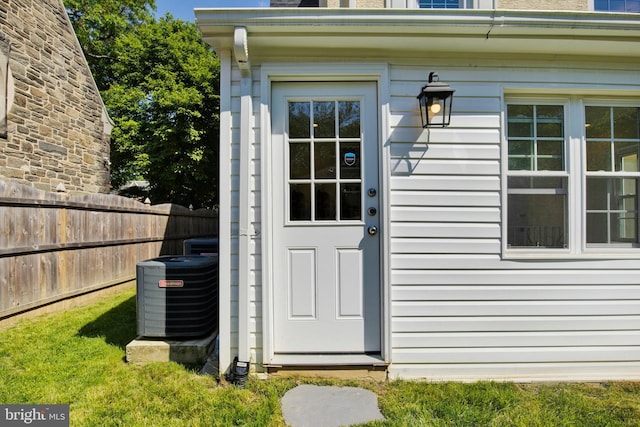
(291, 72)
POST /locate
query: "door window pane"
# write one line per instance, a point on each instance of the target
(300, 160)
(300, 202)
(325, 160)
(350, 201)
(350, 160)
(299, 119)
(325, 202)
(324, 119)
(349, 119)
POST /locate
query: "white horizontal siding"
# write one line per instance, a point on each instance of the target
(445, 151)
(522, 278)
(445, 167)
(429, 230)
(555, 293)
(450, 246)
(421, 309)
(444, 183)
(515, 339)
(445, 198)
(550, 371)
(460, 311)
(494, 262)
(445, 214)
(519, 354)
(514, 324)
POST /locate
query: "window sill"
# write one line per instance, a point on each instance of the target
(566, 254)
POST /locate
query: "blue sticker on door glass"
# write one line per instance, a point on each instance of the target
(349, 159)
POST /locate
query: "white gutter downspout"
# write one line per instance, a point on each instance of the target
(241, 53)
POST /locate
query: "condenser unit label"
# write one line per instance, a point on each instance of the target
(171, 283)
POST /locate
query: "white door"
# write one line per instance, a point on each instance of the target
(326, 290)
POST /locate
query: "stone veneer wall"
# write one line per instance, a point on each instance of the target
(544, 4)
(57, 128)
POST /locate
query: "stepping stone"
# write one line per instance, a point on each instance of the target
(316, 406)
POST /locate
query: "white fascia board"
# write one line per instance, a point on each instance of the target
(425, 30)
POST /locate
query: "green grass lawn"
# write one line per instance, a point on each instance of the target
(77, 357)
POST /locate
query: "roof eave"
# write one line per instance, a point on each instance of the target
(415, 30)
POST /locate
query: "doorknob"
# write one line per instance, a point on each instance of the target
(373, 230)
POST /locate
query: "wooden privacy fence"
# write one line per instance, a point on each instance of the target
(55, 246)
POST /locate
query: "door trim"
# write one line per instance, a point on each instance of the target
(375, 73)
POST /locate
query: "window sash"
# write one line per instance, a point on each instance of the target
(439, 4)
(629, 6)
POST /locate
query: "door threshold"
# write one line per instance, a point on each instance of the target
(336, 366)
(283, 360)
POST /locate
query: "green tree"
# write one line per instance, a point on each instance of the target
(165, 104)
(98, 23)
(159, 82)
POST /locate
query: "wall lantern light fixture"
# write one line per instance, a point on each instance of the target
(435, 100)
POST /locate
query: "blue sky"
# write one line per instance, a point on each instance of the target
(183, 9)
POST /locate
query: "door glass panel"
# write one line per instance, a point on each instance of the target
(325, 170)
(300, 198)
(299, 160)
(349, 119)
(350, 201)
(325, 160)
(350, 160)
(325, 202)
(299, 119)
(324, 119)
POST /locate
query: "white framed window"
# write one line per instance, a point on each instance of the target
(439, 4)
(537, 177)
(571, 177)
(612, 146)
(632, 6)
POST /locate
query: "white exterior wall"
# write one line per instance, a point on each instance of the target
(461, 311)
(458, 310)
